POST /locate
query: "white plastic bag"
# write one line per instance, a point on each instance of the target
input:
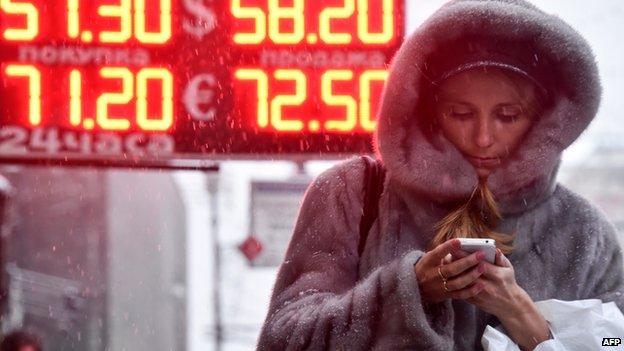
(578, 325)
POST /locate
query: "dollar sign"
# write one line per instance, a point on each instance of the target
(194, 96)
(204, 21)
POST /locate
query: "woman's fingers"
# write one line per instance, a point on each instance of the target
(458, 266)
(466, 279)
(498, 259)
(459, 253)
(455, 255)
(504, 260)
(467, 292)
(436, 255)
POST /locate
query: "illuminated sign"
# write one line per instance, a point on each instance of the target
(192, 79)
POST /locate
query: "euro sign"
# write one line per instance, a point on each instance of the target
(195, 96)
(201, 20)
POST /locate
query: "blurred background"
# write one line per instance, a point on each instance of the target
(103, 259)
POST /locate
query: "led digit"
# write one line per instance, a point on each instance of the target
(262, 90)
(326, 17)
(387, 31)
(123, 11)
(365, 94)
(259, 18)
(32, 20)
(165, 23)
(34, 89)
(339, 100)
(122, 98)
(73, 18)
(75, 97)
(278, 13)
(166, 120)
(288, 100)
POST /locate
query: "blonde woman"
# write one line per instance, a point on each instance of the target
(481, 101)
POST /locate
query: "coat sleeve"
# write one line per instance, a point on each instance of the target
(317, 302)
(605, 277)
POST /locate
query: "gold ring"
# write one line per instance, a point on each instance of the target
(440, 273)
(445, 287)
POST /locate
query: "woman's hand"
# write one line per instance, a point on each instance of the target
(501, 295)
(431, 270)
(504, 298)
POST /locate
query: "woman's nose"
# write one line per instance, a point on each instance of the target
(484, 137)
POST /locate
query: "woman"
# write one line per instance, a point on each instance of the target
(480, 103)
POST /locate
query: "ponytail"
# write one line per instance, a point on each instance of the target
(474, 219)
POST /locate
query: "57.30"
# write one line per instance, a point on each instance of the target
(17, 140)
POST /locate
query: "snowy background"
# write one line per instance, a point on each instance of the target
(245, 291)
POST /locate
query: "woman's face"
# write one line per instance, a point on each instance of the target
(485, 114)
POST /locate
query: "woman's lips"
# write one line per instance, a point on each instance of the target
(484, 161)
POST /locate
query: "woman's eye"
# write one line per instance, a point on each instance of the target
(461, 115)
(507, 118)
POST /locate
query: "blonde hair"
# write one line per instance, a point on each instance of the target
(474, 219)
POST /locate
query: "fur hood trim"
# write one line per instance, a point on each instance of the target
(435, 167)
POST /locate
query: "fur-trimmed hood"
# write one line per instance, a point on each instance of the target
(436, 168)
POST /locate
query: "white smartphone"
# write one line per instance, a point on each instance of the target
(488, 246)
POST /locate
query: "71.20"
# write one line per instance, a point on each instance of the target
(132, 87)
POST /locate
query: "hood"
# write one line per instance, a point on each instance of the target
(432, 166)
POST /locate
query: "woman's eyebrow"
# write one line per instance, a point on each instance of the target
(461, 102)
(505, 104)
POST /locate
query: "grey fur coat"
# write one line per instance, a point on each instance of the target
(326, 298)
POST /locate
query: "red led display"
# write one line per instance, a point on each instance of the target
(111, 22)
(296, 100)
(107, 99)
(176, 79)
(337, 23)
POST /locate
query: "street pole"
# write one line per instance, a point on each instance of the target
(213, 191)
